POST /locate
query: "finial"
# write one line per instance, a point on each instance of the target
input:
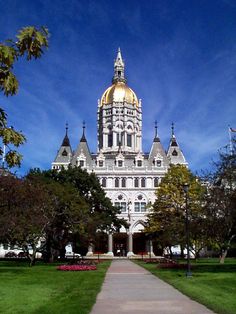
(155, 128)
(84, 128)
(172, 128)
(66, 128)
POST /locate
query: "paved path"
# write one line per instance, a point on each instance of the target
(128, 288)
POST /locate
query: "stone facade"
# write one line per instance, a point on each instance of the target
(129, 176)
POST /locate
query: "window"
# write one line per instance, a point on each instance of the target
(121, 205)
(118, 139)
(136, 182)
(158, 163)
(64, 153)
(81, 163)
(174, 153)
(129, 141)
(110, 142)
(140, 207)
(120, 163)
(143, 207)
(104, 182)
(137, 207)
(100, 163)
(116, 182)
(156, 181)
(143, 182)
(139, 163)
(123, 182)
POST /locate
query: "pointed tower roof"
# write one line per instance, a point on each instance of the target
(157, 151)
(66, 141)
(174, 153)
(83, 138)
(156, 138)
(119, 69)
(65, 152)
(82, 152)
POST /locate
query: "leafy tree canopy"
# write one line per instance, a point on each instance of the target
(30, 42)
(167, 217)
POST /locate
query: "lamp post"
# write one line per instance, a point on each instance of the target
(186, 189)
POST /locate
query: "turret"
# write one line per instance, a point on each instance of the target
(64, 154)
(174, 152)
(82, 156)
(157, 155)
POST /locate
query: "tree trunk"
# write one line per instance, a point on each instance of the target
(224, 252)
(223, 256)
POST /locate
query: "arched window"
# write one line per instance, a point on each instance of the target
(136, 182)
(156, 182)
(123, 182)
(104, 182)
(116, 182)
(143, 182)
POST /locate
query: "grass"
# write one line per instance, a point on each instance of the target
(212, 284)
(43, 289)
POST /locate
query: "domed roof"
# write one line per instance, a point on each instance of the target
(119, 92)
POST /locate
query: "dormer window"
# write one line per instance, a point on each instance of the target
(64, 153)
(81, 163)
(120, 163)
(158, 163)
(101, 163)
(174, 153)
(139, 163)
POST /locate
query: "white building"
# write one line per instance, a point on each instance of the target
(129, 176)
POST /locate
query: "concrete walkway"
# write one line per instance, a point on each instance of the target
(128, 288)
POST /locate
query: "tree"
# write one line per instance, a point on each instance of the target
(167, 217)
(100, 216)
(220, 203)
(24, 214)
(30, 43)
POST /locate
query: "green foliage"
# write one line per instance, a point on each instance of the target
(30, 42)
(167, 217)
(83, 209)
(220, 202)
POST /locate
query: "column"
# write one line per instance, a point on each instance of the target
(110, 245)
(130, 244)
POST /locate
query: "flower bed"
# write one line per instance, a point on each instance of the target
(76, 267)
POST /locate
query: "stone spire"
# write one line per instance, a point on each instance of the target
(119, 69)
(174, 152)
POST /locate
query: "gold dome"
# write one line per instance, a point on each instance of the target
(119, 92)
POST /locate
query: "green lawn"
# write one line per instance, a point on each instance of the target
(43, 289)
(212, 284)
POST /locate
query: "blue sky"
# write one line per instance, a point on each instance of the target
(180, 60)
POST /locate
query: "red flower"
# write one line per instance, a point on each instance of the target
(76, 267)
